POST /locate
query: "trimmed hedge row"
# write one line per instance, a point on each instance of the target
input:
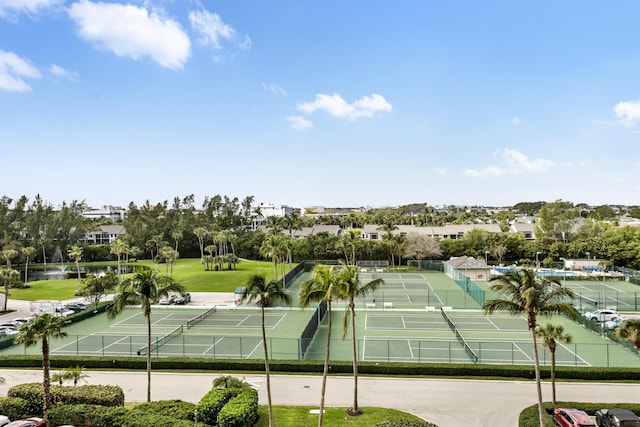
(241, 411)
(211, 404)
(32, 393)
(337, 367)
(14, 407)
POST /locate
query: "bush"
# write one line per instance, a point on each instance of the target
(14, 407)
(172, 408)
(32, 393)
(85, 415)
(241, 411)
(209, 407)
(136, 419)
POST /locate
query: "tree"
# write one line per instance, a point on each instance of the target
(550, 334)
(420, 246)
(9, 278)
(348, 277)
(28, 252)
(73, 373)
(229, 381)
(8, 254)
(201, 233)
(143, 288)
(75, 253)
(170, 255)
(41, 328)
(272, 248)
(530, 295)
(266, 294)
(96, 287)
(630, 330)
(323, 286)
(119, 248)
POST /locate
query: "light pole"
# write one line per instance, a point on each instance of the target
(564, 270)
(486, 257)
(537, 262)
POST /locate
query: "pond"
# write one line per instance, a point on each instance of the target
(59, 272)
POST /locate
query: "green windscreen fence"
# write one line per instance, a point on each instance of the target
(466, 284)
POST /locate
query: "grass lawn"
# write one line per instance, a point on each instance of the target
(295, 416)
(188, 272)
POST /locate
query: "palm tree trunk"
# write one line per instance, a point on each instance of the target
(6, 296)
(326, 365)
(553, 375)
(355, 410)
(148, 315)
(266, 366)
(46, 380)
(536, 362)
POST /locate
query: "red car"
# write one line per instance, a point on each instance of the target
(28, 422)
(565, 417)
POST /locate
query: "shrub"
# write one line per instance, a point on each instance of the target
(136, 419)
(209, 407)
(85, 415)
(14, 407)
(32, 393)
(241, 411)
(172, 408)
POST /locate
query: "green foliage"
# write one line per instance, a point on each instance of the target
(241, 411)
(175, 408)
(209, 407)
(105, 395)
(14, 407)
(137, 419)
(85, 415)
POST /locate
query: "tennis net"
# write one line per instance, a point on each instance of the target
(200, 317)
(161, 341)
(472, 354)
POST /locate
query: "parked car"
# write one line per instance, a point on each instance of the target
(183, 298)
(28, 422)
(601, 315)
(170, 299)
(76, 307)
(8, 331)
(22, 320)
(566, 417)
(614, 322)
(4, 420)
(10, 325)
(617, 418)
(62, 311)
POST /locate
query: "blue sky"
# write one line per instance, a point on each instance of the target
(333, 102)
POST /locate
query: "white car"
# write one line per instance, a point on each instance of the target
(4, 420)
(614, 322)
(601, 315)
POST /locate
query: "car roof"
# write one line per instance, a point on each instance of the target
(579, 416)
(623, 414)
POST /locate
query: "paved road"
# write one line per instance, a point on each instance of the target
(447, 403)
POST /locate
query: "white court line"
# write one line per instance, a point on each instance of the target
(576, 356)
(161, 319)
(282, 316)
(409, 298)
(127, 319)
(521, 351)
(213, 346)
(494, 325)
(244, 320)
(254, 348)
(404, 325)
(410, 349)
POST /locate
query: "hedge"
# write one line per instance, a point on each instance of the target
(85, 415)
(14, 407)
(209, 407)
(178, 409)
(241, 411)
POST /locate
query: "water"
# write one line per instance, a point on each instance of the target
(59, 272)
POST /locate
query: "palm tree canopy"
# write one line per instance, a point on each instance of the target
(552, 333)
(143, 288)
(630, 329)
(527, 293)
(42, 326)
(323, 286)
(266, 293)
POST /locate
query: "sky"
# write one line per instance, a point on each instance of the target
(321, 103)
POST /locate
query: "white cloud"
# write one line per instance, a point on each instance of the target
(366, 106)
(132, 31)
(273, 88)
(299, 123)
(13, 72)
(27, 6)
(515, 121)
(212, 31)
(515, 163)
(58, 71)
(628, 112)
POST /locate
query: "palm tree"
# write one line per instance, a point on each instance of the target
(8, 278)
(28, 252)
(630, 330)
(8, 255)
(118, 248)
(271, 248)
(75, 253)
(349, 278)
(229, 381)
(75, 373)
(533, 296)
(323, 286)
(201, 233)
(266, 294)
(143, 288)
(551, 334)
(41, 328)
